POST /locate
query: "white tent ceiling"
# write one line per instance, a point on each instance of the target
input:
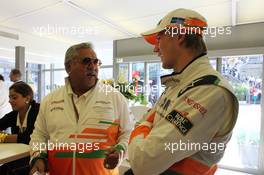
(47, 27)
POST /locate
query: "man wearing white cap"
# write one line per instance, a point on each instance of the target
(188, 128)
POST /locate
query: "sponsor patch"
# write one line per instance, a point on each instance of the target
(195, 105)
(182, 123)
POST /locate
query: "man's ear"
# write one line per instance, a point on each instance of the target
(68, 67)
(181, 39)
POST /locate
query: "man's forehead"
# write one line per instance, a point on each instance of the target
(87, 52)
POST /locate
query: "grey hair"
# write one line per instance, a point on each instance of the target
(72, 51)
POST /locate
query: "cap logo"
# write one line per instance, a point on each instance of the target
(177, 20)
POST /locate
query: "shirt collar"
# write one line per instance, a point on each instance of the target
(186, 73)
(70, 91)
(24, 124)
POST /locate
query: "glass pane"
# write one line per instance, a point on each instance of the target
(32, 78)
(5, 69)
(138, 72)
(47, 86)
(32, 67)
(59, 65)
(213, 62)
(105, 73)
(154, 85)
(245, 75)
(59, 78)
(138, 76)
(123, 72)
(47, 66)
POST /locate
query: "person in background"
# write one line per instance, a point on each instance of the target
(15, 75)
(4, 104)
(198, 108)
(92, 116)
(21, 120)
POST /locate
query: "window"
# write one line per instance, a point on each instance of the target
(123, 74)
(153, 82)
(32, 78)
(213, 63)
(59, 78)
(5, 69)
(245, 75)
(138, 72)
(105, 73)
(47, 85)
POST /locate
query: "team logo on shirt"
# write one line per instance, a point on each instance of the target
(181, 122)
(195, 105)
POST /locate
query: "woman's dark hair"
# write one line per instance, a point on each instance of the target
(22, 88)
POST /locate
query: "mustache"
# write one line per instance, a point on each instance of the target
(91, 72)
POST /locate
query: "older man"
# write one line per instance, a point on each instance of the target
(85, 125)
(189, 126)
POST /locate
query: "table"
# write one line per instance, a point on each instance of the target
(13, 151)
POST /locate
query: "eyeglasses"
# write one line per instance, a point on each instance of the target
(87, 61)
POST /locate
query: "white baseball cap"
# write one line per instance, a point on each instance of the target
(184, 18)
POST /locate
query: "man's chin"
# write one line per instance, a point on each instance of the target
(90, 81)
(165, 66)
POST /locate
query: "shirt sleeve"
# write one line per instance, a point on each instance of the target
(196, 118)
(5, 122)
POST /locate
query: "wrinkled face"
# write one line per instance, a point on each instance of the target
(83, 69)
(166, 50)
(17, 101)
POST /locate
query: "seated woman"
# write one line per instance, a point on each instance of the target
(21, 120)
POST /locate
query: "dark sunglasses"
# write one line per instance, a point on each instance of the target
(87, 61)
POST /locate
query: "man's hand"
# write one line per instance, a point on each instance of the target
(39, 166)
(113, 158)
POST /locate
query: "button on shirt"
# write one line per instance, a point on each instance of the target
(81, 101)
